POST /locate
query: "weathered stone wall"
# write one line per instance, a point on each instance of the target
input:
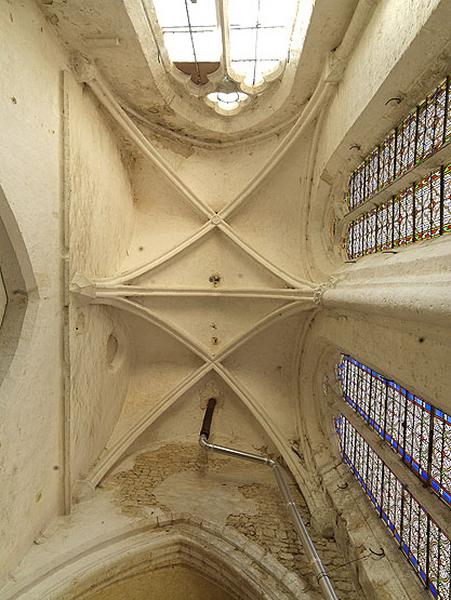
(31, 393)
(263, 519)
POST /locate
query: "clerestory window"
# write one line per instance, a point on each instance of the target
(420, 538)
(420, 434)
(420, 211)
(418, 431)
(229, 50)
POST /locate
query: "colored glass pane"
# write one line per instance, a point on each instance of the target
(427, 206)
(387, 160)
(405, 158)
(447, 199)
(448, 113)
(384, 226)
(403, 218)
(440, 115)
(370, 229)
(371, 173)
(426, 133)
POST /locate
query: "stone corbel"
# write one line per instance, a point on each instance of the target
(83, 288)
(322, 288)
(83, 68)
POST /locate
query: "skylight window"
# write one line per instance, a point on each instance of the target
(259, 37)
(190, 30)
(246, 43)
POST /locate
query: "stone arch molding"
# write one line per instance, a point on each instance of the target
(219, 554)
(16, 282)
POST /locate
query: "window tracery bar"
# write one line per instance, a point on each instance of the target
(423, 132)
(418, 431)
(420, 539)
(421, 211)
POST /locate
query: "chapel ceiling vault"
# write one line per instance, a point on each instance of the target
(212, 292)
(221, 311)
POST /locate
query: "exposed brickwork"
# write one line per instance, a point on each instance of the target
(270, 527)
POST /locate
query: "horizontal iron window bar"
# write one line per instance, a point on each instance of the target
(253, 27)
(255, 60)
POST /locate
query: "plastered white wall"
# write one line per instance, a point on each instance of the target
(101, 223)
(31, 395)
(3, 300)
(414, 354)
(393, 28)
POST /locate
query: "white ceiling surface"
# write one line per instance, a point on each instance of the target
(213, 290)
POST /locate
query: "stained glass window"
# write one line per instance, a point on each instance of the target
(421, 211)
(371, 232)
(448, 113)
(446, 205)
(431, 123)
(372, 173)
(420, 539)
(403, 215)
(424, 131)
(384, 217)
(419, 432)
(357, 187)
(406, 144)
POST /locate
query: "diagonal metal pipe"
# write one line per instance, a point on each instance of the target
(306, 541)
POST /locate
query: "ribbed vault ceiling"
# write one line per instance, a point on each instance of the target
(215, 305)
(213, 294)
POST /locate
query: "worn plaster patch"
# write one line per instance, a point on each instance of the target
(207, 495)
